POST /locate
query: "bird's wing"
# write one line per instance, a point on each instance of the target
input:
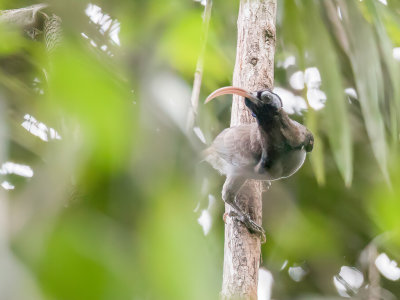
(295, 134)
(238, 145)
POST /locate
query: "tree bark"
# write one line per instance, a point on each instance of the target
(254, 70)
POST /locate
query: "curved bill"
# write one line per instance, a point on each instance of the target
(232, 90)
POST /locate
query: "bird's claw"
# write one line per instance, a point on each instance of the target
(252, 226)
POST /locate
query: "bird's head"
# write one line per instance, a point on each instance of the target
(262, 104)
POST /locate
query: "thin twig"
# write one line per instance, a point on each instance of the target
(198, 75)
(373, 274)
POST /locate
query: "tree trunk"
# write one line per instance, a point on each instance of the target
(254, 70)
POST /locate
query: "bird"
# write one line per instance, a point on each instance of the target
(272, 148)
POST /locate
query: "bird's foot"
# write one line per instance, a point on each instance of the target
(252, 226)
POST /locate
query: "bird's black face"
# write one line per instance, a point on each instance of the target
(264, 105)
(267, 104)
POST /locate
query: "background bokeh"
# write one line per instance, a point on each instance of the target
(103, 193)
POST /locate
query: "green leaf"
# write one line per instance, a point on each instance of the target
(322, 54)
(365, 61)
(392, 89)
(317, 155)
(13, 41)
(93, 93)
(336, 112)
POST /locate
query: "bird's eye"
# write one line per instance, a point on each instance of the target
(272, 100)
(265, 96)
(253, 114)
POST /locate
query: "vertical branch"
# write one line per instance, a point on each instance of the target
(198, 75)
(254, 70)
(374, 288)
(3, 201)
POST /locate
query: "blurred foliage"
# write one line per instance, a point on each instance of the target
(117, 192)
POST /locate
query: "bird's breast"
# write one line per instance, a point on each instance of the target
(287, 164)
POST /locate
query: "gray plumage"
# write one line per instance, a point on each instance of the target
(272, 148)
(236, 151)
